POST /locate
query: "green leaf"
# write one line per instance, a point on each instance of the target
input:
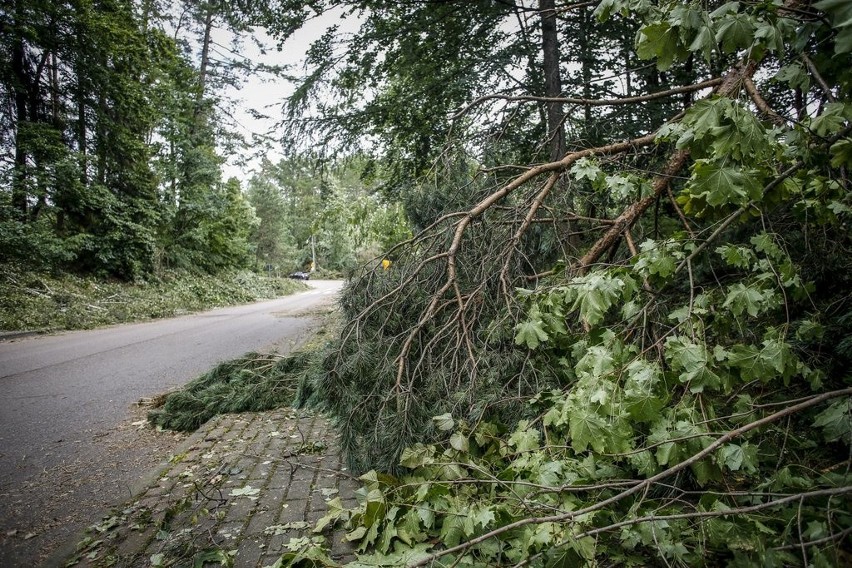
(722, 185)
(732, 456)
(594, 294)
(586, 168)
(444, 422)
(840, 11)
(843, 41)
(247, 491)
(836, 421)
(742, 298)
(530, 333)
(794, 75)
(687, 16)
(693, 362)
(452, 529)
(210, 556)
(810, 331)
(620, 187)
(641, 395)
(764, 364)
(524, 438)
(735, 32)
(483, 516)
(416, 456)
(737, 256)
(587, 428)
(772, 37)
(643, 462)
(765, 243)
(356, 534)
(598, 361)
(833, 119)
(701, 118)
(607, 7)
(841, 153)
(459, 442)
(655, 260)
(336, 510)
(658, 40)
(704, 43)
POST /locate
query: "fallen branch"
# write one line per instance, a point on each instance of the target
(644, 485)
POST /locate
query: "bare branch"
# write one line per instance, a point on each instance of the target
(591, 102)
(761, 103)
(819, 79)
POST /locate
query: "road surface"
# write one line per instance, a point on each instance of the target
(61, 395)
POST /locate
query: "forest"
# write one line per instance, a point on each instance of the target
(617, 330)
(114, 135)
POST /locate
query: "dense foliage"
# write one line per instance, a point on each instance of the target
(635, 352)
(325, 213)
(108, 139)
(251, 383)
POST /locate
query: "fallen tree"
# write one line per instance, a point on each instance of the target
(638, 350)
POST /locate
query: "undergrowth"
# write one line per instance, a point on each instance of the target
(44, 302)
(251, 383)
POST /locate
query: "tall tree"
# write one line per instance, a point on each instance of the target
(106, 138)
(552, 78)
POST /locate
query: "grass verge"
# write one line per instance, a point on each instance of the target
(42, 302)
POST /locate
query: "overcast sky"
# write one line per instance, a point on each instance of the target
(266, 94)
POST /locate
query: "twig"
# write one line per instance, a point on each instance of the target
(591, 102)
(822, 84)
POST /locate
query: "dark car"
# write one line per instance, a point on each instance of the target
(300, 276)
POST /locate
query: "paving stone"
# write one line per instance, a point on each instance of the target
(340, 547)
(249, 553)
(134, 541)
(262, 520)
(299, 488)
(280, 478)
(269, 559)
(293, 512)
(291, 456)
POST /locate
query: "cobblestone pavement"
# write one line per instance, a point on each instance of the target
(243, 485)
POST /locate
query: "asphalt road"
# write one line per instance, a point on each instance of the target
(59, 394)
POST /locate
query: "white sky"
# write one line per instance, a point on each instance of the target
(266, 95)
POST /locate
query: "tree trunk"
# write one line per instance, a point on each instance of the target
(552, 79)
(205, 60)
(80, 95)
(21, 74)
(586, 62)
